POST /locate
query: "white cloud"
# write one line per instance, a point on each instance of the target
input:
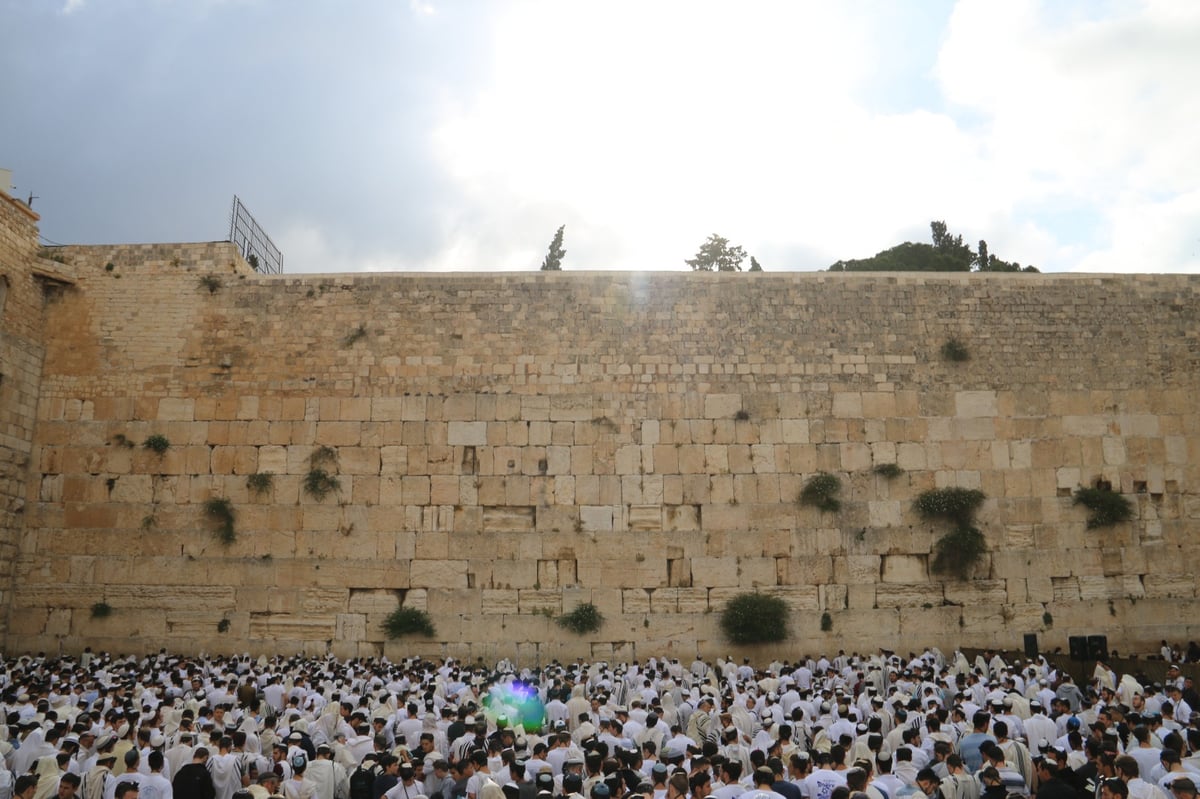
(71, 6)
(1095, 113)
(654, 127)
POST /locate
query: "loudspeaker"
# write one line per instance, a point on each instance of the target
(1031, 647)
(1098, 647)
(1078, 645)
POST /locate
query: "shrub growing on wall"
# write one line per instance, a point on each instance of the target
(220, 513)
(821, 491)
(408, 621)
(753, 618)
(955, 504)
(1107, 506)
(585, 618)
(956, 552)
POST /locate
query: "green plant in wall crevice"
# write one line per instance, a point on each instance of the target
(821, 492)
(956, 552)
(219, 512)
(954, 350)
(752, 618)
(408, 621)
(319, 482)
(585, 618)
(1108, 508)
(260, 483)
(158, 444)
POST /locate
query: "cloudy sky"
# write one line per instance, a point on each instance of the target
(459, 134)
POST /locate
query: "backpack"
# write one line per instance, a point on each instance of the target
(362, 781)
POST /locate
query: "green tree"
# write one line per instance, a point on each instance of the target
(553, 261)
(984, 262)
(906, 257)
(982, 259)
(952, 246)
(715, 253)
(755, 266)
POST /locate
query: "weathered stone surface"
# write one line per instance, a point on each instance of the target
(904, 569)
(508, 444)
(900, 596)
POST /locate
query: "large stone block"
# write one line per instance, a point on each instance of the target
(891, 595)
(904, 569)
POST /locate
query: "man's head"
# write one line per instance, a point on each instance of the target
(25, 786)
(68, 784)
(126, 790)
(1183, 788)
(1114, 789)
(927, 781)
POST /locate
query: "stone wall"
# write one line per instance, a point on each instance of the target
(509, 445)
(21, 299)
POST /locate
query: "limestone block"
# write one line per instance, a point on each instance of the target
(722, 406)
(453, 601)
(498, 601)
(514, 574)
(296, 628)
(176, 409)
(715, 572)
(904, 569)
(1097, 587)
(847, 404)
(596, 518)
(467, 434)
(350, 626)
(892, 595)
(1170, 585)
(681, 517)
(860, 596)
(856, 569)
(923, 624)
(272, 459)
(322, 601)
(885, 513)
(806, 569)
(693, 600)
(358, 460)
(571, 407)
(977, 592)
(911, 456)
(134, 488)
(338, 434)
(534, 600)
(969, 404)
(755, 572)
(855, 456)
(439, 573)
(371, 601)
(799, 598)
(645, 517)
(832, 596)
(724, 517)
(794, 431)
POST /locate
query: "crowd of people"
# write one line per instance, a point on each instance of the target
(879, 726)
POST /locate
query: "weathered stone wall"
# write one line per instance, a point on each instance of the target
(510, 445)
(21, 299)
